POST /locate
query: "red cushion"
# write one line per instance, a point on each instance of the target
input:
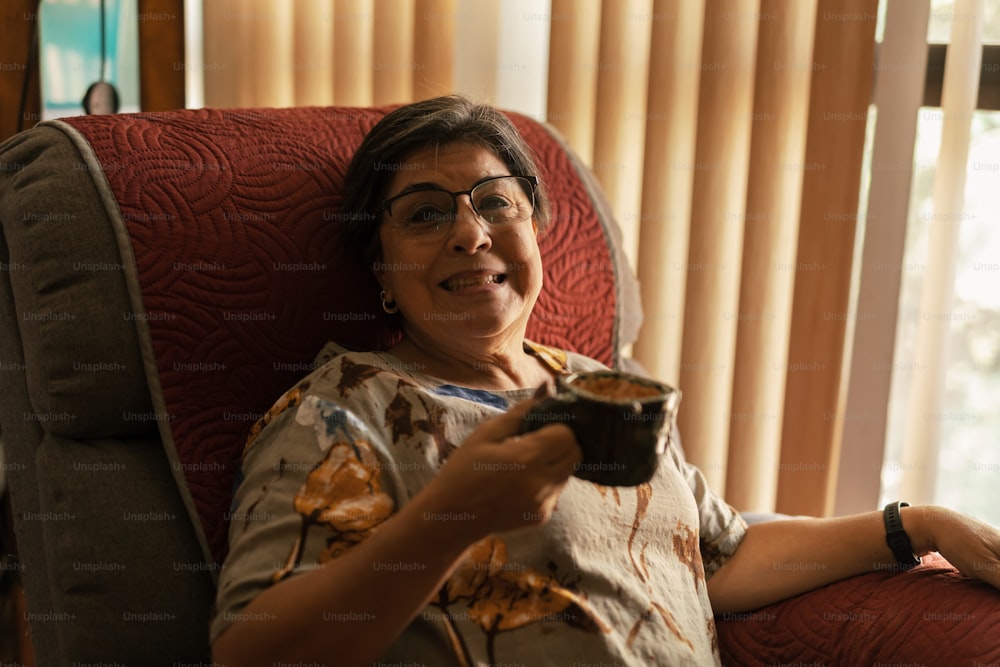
(243, 274)
(930, 615)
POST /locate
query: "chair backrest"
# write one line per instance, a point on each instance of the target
(233, 221)
(218, 274)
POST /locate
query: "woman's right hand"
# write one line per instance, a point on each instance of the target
(495, 481)
(498, 480)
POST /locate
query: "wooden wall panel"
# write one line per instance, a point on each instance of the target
(18, 21)
(161, 54)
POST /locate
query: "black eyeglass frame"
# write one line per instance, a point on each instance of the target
(533, 180)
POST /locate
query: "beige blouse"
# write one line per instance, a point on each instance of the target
(617, 576)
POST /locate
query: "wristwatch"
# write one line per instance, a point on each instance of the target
(896, 537)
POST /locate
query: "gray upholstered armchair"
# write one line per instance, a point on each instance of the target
(164, 277)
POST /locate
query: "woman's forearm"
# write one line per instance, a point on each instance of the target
(780, 559)
(349, 611)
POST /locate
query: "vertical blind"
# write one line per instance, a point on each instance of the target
(898, 94)
(725, 133)
(958, 102)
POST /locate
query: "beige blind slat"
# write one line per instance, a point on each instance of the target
(248, 24)
(925, 403)
(668, 175)
(622, 78)
(720, 184)
(313, 46)
(221, 56)
(780, 119)
(353, 54)
(273, 79)
(574, 42)
(899, 91)
(393, 45)
(843, 55)
(433, 48)
(248, 19)
(477, 57)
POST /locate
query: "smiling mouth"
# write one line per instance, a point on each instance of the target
(453, 284)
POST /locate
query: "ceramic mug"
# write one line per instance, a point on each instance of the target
(622, 423)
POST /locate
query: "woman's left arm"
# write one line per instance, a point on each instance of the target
(780, 559)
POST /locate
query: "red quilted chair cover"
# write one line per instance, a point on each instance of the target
(233, 222)
(928, 616)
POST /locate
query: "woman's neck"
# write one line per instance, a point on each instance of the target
(498, 367)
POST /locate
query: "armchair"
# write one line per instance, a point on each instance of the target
(165, 277)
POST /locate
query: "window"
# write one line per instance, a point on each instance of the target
(965, 468)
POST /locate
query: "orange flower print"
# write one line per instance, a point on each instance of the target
(343, 493)
(685, 543)
(503, 596)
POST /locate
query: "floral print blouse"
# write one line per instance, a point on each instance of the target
(617, 576)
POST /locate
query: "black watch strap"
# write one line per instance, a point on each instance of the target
(896, 537)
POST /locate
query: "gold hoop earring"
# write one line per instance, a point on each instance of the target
(388, 306)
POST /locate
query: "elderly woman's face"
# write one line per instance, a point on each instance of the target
(469, 278)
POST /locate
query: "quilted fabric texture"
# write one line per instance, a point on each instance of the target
(929, 616)
(233, 220)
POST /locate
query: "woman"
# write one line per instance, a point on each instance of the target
(394, 513)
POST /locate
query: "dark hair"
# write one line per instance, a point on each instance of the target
(97, 88)
(402, 132)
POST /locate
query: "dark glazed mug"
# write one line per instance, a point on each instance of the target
(621, 422)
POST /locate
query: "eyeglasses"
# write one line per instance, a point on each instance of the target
(500, 200)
